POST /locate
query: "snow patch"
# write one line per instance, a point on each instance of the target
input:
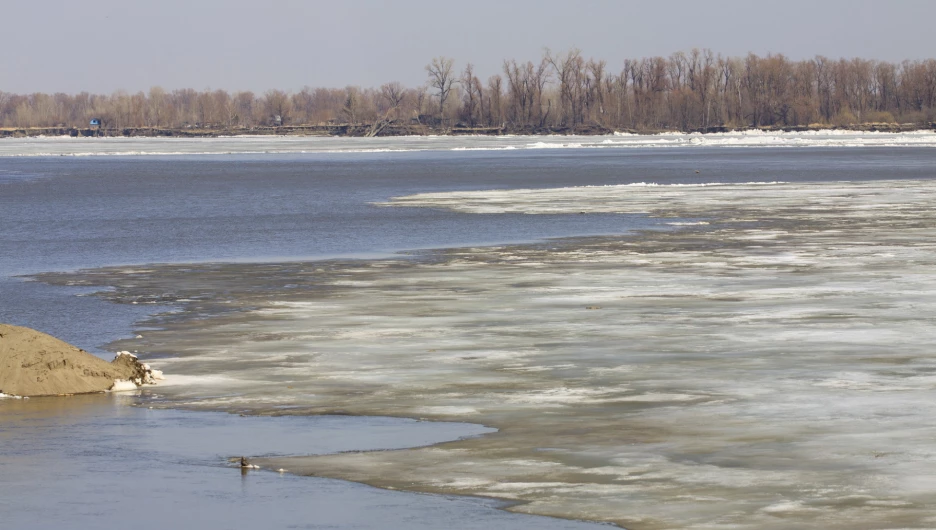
(122, 385)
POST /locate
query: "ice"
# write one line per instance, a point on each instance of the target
(121, 385)
(259, 145)
(198, 381)
(772, 369)
(447, 411)
(788, 507)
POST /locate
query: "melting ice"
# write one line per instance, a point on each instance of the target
(773, 368)
(66, 146)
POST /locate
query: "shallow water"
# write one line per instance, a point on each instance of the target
(95, 462)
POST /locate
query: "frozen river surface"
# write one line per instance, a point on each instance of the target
(762, 358)
(239, 145)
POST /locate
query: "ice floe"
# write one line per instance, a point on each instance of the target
(259, 145)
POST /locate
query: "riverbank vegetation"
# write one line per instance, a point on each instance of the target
(558, 92)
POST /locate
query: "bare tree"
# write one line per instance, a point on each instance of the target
(471, 103)
(394, 94)
(351, 105)
(303, 105)
(684, 91)
(519, 92)
(595, 98)
(495, 104)
(479, 89)
(570, 72)
(156, 103)
(244, 108)
(441, 78)
(277, 103)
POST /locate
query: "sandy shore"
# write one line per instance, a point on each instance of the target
(33, 363)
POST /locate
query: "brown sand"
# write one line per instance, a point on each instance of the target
(33, 363)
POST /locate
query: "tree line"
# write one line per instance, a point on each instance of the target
(559, 91)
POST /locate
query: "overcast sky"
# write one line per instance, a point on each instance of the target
(105, 45)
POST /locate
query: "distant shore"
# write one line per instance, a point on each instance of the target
(409, 129)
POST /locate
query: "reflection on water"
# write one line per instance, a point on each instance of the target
(90, 462)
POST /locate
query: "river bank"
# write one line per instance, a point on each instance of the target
(415, 129)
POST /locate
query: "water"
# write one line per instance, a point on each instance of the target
(140, 210)
(95, 462)
(766, 369)
(67, 214)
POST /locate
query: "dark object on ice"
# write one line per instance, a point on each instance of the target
(245, 462)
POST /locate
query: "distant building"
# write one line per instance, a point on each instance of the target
(277, 120)
(95, 123)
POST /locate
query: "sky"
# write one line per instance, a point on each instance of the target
(101, 46)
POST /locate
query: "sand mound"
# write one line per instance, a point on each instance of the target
(36, 364)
